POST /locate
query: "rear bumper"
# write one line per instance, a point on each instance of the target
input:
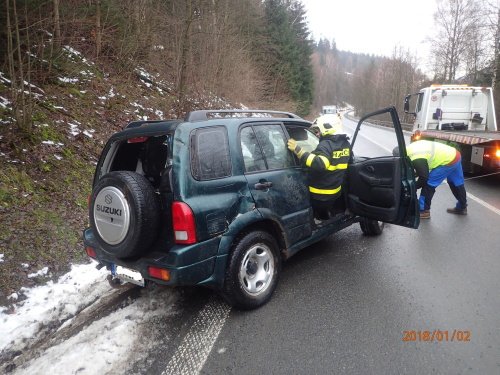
(187, 265)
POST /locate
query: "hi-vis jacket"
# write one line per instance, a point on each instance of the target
(328, 164)
(428, 155)
(435, 153)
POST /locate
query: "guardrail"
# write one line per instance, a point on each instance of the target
(387, 124)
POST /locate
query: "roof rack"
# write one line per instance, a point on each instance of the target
(204, 114)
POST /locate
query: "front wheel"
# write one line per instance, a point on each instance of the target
(371, 227)
(253, 270)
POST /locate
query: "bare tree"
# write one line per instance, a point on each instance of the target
(98, 29)
(457, 21)
(57, 24)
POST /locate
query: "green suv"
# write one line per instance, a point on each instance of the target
(218, 200)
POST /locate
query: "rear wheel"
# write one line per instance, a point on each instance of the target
(253, 270)
(371, 227)
(124, 213)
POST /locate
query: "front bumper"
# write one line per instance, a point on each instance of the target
(187, 265)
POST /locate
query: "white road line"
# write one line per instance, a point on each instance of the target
(483, 203)
(191, 355)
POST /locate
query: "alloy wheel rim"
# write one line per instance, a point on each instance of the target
(257, 270)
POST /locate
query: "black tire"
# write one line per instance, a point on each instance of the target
(128, 201)
(243, 270)
(371, 227)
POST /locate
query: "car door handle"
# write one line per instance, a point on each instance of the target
(263, 185)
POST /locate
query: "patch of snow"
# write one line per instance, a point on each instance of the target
(52, 143)
(73, 129)
(41, 272)
(158, 48)
(25, 265)
(74, 53)
(86, 73)
(159, 113)
(13, 296)
(58, 157)
(4, 79)
(85, 132)
(67, 80)
(106, 345)
(137, 105)
(36, 57)
(51, 302)
(34, 87)
(1, 258)
(4, 102)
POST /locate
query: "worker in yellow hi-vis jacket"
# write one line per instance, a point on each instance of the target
(327, 165)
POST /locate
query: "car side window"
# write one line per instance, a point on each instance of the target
(264, 147)
(272, 141)
(252, 154)
(210, 157)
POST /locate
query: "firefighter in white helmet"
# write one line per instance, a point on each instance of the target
(327, 164)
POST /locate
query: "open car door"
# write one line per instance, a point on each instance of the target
(381, 186)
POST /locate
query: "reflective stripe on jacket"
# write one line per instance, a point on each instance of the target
(435, 153)
(327, 165)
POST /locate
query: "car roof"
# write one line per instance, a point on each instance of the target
(203, 115)
(150, 127)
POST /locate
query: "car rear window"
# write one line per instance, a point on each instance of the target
(210, 157)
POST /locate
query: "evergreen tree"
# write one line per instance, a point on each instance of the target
(290, 49)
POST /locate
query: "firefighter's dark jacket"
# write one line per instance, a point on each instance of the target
(327, 166)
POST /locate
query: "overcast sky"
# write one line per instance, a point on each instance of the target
(373, 27)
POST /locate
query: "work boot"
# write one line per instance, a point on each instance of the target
(426, 214)
(457, 211)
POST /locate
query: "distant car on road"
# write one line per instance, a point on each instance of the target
(329, 110)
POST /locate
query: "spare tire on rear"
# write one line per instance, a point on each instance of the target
(124, 213)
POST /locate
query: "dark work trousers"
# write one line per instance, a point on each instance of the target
(325, 210)
(455, 177)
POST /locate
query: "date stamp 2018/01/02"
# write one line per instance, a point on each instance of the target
(437, 335)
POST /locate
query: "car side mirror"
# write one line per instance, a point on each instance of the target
(407, 104)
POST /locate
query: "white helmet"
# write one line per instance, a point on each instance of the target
(328, 124)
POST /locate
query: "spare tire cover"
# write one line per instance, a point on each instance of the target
(124, 213)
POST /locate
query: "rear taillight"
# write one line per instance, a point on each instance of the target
(90, 252)
(183, 223)
(159, 273)
(497, 153)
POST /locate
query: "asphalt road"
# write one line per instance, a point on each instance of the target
(344, 305)
(423, 301)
